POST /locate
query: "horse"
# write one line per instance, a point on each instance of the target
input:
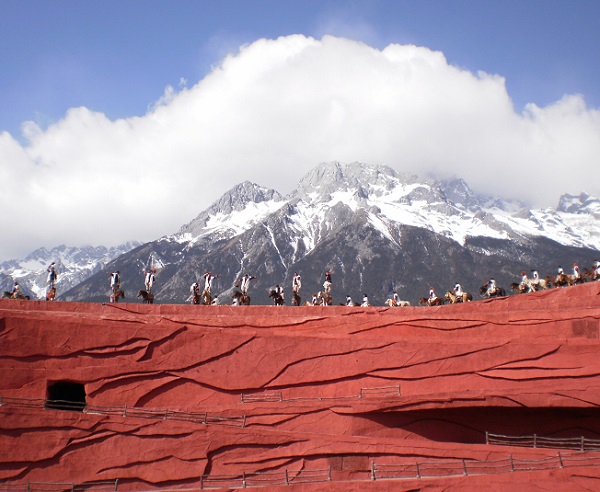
(147, 297)
(452, 298)
(242, 299)
(561, 280)
(425, 301)
(206, 297)
(498, 292)
(296, 299)
(51, 294)
(10, 295)
(325, 299)
(519, 288)
(114, 297)
(391, 303)
(277, 298)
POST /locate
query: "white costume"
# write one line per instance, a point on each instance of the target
(149, 280)
(296, 283)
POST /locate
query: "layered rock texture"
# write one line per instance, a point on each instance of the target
(138, 397)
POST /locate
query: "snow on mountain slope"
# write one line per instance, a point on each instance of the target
(449, 208)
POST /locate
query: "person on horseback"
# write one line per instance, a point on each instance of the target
(535, 280)
(365, 301)
(576, 274)
(524, 285)
(149, 280)
(491, 290)
(349, 301)
(279, 293)
(432, 296)
(245, 283)
(560, 270)
(208, 281)
(16, 292)
(115, 281)
(195, 291)
(296, 283)
(395, 299)
(327, 284)
(52, 275)
(458, 292)
(315, 300)
(596, 271)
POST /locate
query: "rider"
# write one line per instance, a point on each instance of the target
(349, 301)
(149, 280)
(195, 290)
(560, 270)
(208, 280)
(365, 301)
(52, 275)
(576, 274)
(491, 290)
(245, 283)
(296, 283)
(535, 280)
(115, 281)
(315, 300)
(458, 292)
(524, 285)
(432, 296)
(16, 292)
(327, 284)
(395, 299)
(279, 291)
(596, 272)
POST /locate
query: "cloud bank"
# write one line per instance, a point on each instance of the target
(271, 112)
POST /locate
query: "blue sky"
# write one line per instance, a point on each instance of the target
(118, 56)
(102, 101)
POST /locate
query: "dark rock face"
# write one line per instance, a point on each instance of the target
(175, 393)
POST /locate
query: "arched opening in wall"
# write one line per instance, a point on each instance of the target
(65, 395)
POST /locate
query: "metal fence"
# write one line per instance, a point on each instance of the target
(534, 441)
(124, 411)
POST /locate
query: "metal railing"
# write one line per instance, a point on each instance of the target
(124, 411)
(534, 441)
(275, 397)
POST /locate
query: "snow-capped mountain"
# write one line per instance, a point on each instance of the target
(376, 228)
(73, 265)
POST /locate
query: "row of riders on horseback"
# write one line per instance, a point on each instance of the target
(324, 298)
(527, 284)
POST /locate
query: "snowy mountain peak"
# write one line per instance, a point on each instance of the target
(235, 211)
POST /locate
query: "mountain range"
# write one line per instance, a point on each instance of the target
(377, 230)
(74, 265)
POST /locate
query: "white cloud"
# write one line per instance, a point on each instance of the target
(270, 113)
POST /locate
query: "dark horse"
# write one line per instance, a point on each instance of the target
(277, 298)
(243, 299)
(147, 297)
(499, 292)
(296, 299)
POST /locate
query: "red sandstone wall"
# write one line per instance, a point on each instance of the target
(432, 380)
